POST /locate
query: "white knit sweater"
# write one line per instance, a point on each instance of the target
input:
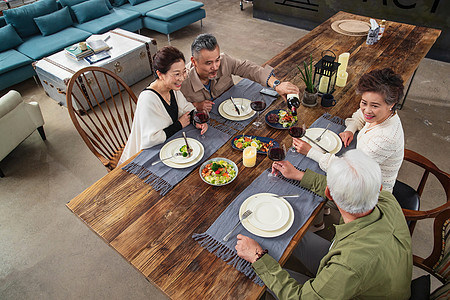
(150, 119)
(383, 142)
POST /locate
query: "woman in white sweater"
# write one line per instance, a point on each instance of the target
(161, 110)
(380, 129)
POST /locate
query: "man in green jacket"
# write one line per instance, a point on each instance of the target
(370, 256)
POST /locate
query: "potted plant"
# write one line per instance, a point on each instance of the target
(310, 94)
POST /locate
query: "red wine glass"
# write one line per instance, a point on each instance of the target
(201, 116)
(296, 132)
(276, 153)
(258, 106)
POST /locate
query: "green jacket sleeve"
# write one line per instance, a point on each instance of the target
(314, 182)
(324, 286)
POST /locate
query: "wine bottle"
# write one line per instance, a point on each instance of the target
(293, 103)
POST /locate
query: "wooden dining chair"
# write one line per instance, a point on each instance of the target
(101, 106)
(438, 262)
(409, 198)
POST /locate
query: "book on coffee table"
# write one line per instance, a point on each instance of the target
(92, 59)
(75, 52)
(98, 45)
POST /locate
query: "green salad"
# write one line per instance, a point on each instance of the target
(286, 118)
(245, 141)
(218, 172)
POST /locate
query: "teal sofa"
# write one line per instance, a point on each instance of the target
(31, 32)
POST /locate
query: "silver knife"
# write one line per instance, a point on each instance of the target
(189, 150)
(315, 143)
(235, 106)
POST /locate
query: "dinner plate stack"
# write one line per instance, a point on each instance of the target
(180, 162)
(330, 140)
(271, 215)
(228, 111)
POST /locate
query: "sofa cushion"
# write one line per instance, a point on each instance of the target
(12, 59)
(9, 38)
(119, 2)
(70, 3)
(22, 18)
(39, 46)
(90, 10)
(2, 21)
(145, 7)
(54, 22)
(114, 19)
(174, 24)
(174, 10)
(134, 2)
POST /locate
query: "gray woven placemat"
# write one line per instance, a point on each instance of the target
(163, 178)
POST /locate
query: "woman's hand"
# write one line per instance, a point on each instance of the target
(185, 119)
(247, 248)
(346, 137)
(301, 146)
(287, 170)
(203, 127)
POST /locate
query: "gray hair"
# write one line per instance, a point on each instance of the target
(354, 181)
(203, 41)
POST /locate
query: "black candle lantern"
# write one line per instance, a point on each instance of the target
(325, 72)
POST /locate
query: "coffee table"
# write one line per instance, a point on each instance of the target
(131, 59)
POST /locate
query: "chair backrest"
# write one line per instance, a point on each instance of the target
(429, 167)
(444, 179)
(101, 106)
(438, 263)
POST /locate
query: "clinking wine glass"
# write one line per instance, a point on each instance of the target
(258, 106)
(201, 116)
(276, 153)
(296, 132)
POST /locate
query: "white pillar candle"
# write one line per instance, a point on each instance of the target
(323, 84)
(341, 80)
(249, 157)
(343, 60)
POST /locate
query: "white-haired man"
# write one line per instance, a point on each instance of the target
(370, 256)
(210, 73)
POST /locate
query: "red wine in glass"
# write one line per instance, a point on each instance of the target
(296, 132)
(258, 105)
(277, 153)
(201, 117)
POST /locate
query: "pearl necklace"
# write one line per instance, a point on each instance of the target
(388, 118)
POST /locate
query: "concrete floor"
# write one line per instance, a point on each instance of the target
(48, 253)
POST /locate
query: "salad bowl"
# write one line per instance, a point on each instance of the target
(218, 171)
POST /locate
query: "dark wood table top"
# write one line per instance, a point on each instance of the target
(153, 233)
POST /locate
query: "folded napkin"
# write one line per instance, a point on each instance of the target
(163, 178)
(244, 89)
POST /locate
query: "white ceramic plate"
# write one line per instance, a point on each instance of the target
(227, 116)
(263, 233)
(242, 104)
(330, 140)
(174, 146)
(269, 212)
(172, 163)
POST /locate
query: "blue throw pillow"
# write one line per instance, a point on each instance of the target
(9, 37)
(134, 2)
(21, 18)
(90, 10)
(54, 22)
(71, 3)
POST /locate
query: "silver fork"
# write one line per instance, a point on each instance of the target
(175, 155)
(320, 136)
(247, 213)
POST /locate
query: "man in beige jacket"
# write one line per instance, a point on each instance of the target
(210, 73)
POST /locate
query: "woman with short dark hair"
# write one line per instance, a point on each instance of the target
(161, 110)
(380, 129)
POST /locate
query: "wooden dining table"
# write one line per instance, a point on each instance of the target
(153, 232)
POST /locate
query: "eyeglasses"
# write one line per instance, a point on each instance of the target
(178, 75)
